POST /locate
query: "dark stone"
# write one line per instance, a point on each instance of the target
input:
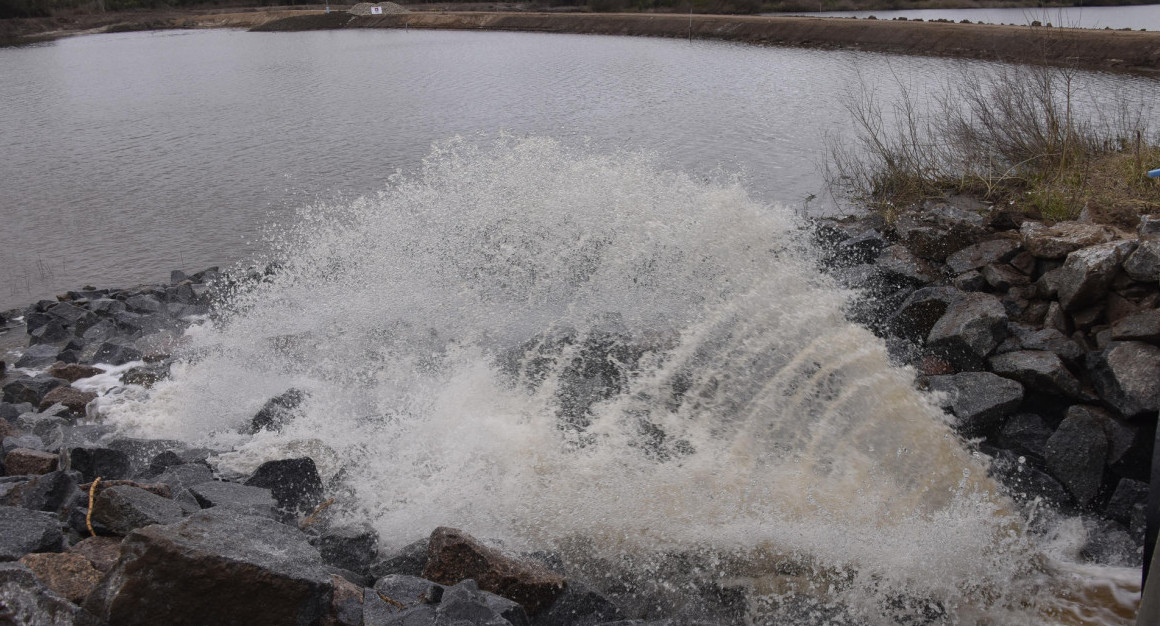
(1144, 264)
(167, 573)
(982, 254)
(70, 575)
(1127, 376)
(861, 248)
(405, 592)
(970, 281)
(164, 461)
(972, 327)
(940, 230)
(185, 476)
(52, 331)
(106, 307)
(144, 304)
(146, 375)
(1142, 326)
(1050, 340)
(579, 605)
(122, 509)
(1076, 455)
(38, 356)
(978, 400)
(350, 547)
(101, 552)
(454, 556)
(465, 602)
(277, 411)
(116, 353)
(410, 560)
(1026, 482)
(1025, 433)
(920, 311)
(142, 451)
(103, 463)
(72, 398)
(903, 268)
(50, 492)
(1041, 371)
(1060, 240)
(24, 600)
(1127, 496)
(67, 313)
(1088, 273)
(25, 462)
(30, 390)
(23, 531)
(248, 500)
(294, 483)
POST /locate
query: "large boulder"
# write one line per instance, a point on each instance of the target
(920, 311)
(104, 463)
(25, 600)
(982, 254)
(294, 483)
(31, 390)
(38, 356)
(23, 531)
(351, 547)
(1040, 371)
(1076, 454)
(101, 552)
(278, 410)
(972, 327)
(123, 508)
(1144, 264)
(22, 461)
(1060, 240)
(1142, 326)
(454, 556)
(70, 575)
(940, 229)
(256, 501)
(72, 398)
(978, 400)
(215, 568)
(1127, 377)
(1025, 433)
(1088, 273)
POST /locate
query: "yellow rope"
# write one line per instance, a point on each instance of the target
(89, 515)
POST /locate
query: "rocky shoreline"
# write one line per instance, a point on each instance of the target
(1042, 342)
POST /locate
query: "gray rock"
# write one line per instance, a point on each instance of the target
(1025, 433)
(1128, 494)
(971, 328)
(105, 463)
(405, 592)
(278, 410)
(1060, 240)
(106, 307)
(24, 600)
(115, 353)
(1127, 376)
(920, 311)
(144, 304)
(53, 331)
(249, 500)
(1142, 326)
(31, 390)
(1076, 455)
(294, 483)
(940, 230)
(1088, 273)
(123, 508)
(1026, 482)
(185, 476)
(1144, 264)
(410, 560)
(23, 531)
(1003, 277)
(351, 547)
(257, 572)
(37, 356)
(1050, 340)
(978, 400)
(579, 605)
(1129, 445)
(970, 281)
(1040, 371)
(901, 266)
(861, 248)
(142, 451)
(28, 441)
(1149, 227)
(982, 254)
(51, 492)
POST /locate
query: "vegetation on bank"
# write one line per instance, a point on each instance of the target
(1028, 137)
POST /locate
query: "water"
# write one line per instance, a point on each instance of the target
(582, 351)
(1146, 17)
(128, 155)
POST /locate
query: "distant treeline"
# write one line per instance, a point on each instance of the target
(48, 8)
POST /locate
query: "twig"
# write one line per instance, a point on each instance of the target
(391, 600)
(313, 517)
(89, 513)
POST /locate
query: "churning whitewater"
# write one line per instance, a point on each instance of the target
(641, 372)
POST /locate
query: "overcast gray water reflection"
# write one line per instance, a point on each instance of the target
(125, 156)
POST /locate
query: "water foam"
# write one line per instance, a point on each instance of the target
(589, 354)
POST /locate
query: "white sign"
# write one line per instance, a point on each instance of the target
(376, 10)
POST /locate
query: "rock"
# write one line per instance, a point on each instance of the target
(70, 575)
(982, 254)
(978, 400)
(346, 608)
(970, 281)
(116, 353)
(1025, 433)
(143, 304)
(98, 334)
(38, 356)
(973, 325)
(1088, 273)
(465, 602)
(861, 248)
(294, 483)
(939, 230)
(31, 390)
(351, 547)
(579, 606)
(255, 501)
(24, 600)
(1144, 264)
(23, 531)
(257, 572)
(277, 411)
(52, 332)
(1127, 376)
(106, 307)
(1040, 371)
(410, 560)
(1129, 445)
(142, 451)
(101, 552)
(67, 313)
(73, 372)
(454, 556)
(405, 592)
(122, 509)
(1128, 494)
(1142, 326)
(185, 476)
(50, 492)
(71, 397)
(104, 463)
(146, 375)
(1076, 454)
(1003, 277)
(1050, 340)
(901, 267)
(1056, 242)
(23, 461)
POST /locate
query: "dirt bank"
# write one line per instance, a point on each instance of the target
(20, 31)
(1094, 49)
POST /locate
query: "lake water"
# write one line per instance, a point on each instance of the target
(1138, 17)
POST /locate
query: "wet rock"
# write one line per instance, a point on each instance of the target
(346, 607)
(1076, 455)
(973, 326)
(351, 547)
(900, 266)
(1025, 433)
(215, 568)
(25, 600)
(104, 463)
(1088, 273)
(454, 556)
(1040, 371)
(970, 281)
(410, 560)
(51, 332)
(146, 375)
(101, 552)
(1129, 445)
(71, 397)
(978, 400)
(23, 461)
(98, 334)
(1060, 240)
(579, 605)
(1050, 340)
(106, 307)
(70, 575)
(67, 313)
(23, 531)
(940, 230)
(255, 501)
(1127, 377)
(294, 483)
(1144, 264)
(31, 390)
(1142, 326)
(861, 248)
(142, 451)
(115, 353)
(50, 492)
(144, 304)
(122, 509)
(73, 372)
(38, 356)
(400, 593)
(1003, 277)
(185, 476)
(277, 411)
(982, 254)
(1128, 494)
(465, 602)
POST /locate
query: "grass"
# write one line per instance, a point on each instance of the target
(1018, 137)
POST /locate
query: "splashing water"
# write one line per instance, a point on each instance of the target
(642, 372)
